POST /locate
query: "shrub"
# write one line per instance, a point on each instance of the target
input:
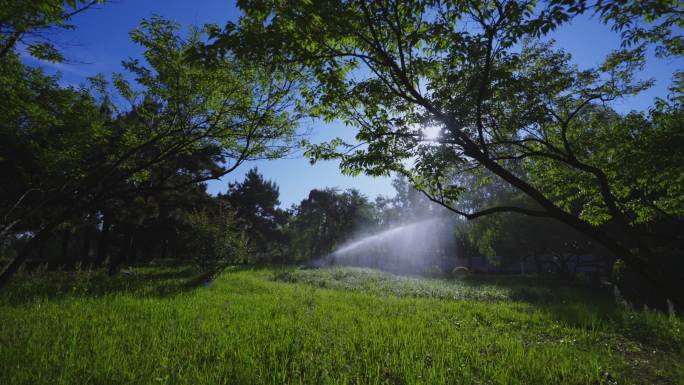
(215, 241)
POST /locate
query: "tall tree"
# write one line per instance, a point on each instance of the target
(500, 101)
(255, 202)
(327, 218)
(228, 113)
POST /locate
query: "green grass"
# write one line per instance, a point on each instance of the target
(329, 326)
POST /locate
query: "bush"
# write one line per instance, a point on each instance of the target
(214, 241)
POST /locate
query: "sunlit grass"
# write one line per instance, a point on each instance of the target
(250, 327)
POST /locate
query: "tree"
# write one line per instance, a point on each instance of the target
(410, 203)
(255, 202)
(182, 114)
(326, 219)
(50, 136)
(515, 239)
(650, 22)
(214, 241)
(502, 102)
(31, 22)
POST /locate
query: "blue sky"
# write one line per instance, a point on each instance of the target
(100, 42)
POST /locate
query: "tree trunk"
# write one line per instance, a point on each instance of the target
(522, 265)
(61, 259)
(165, 248)
(85, 252)
(41, 247)
(122, 255)
(538, 263)
(146, 254)
(103, 242)
(132, 255)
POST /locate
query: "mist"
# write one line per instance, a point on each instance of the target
(418, 247)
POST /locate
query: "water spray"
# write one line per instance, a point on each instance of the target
(416, 247)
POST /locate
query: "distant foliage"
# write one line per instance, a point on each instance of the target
(326, 219)
(214, 241)
(258, 217)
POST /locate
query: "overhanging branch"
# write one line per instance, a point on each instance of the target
(488, 211)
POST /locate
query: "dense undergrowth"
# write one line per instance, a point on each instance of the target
(329, 326)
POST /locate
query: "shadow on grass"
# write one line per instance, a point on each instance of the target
(570, 303)
(591, 308)
(542, 290)
(161, 279)
(169, 274)
(157, 281)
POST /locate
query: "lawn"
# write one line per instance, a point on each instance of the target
(158, 325)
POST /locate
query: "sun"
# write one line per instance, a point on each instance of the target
(432, 132)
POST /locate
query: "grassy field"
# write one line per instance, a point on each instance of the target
(329, 326)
